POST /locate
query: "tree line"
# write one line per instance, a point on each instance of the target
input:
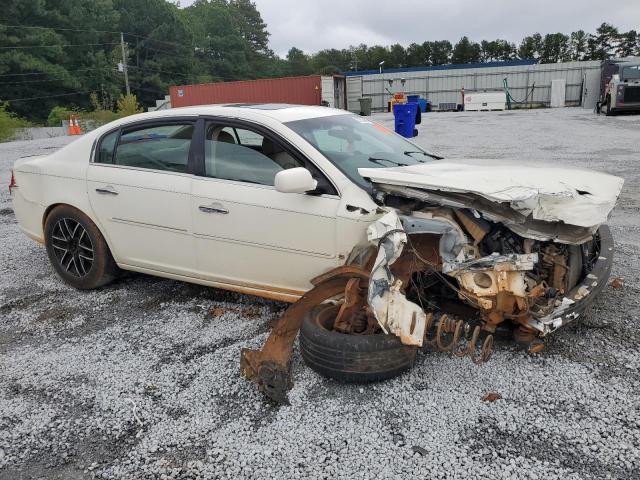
(69, 53)
(607, 42)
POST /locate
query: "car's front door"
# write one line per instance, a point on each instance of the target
(139, 186)
(248, 234)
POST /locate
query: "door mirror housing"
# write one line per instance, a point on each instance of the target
(295, 180)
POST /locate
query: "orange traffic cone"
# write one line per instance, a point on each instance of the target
(77, 126)
(71, 129)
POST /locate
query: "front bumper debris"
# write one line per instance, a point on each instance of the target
(495, 285)
(580, 298)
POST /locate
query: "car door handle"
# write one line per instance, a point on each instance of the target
(213, 208)
(108, 190)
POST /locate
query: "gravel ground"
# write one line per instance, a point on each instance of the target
(140, 379)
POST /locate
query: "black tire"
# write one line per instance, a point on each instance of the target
(77, 250)
(351, 358)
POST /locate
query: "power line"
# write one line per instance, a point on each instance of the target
(57, 28)
(92, 31)
(161, 71)
(42, 73)
(55, 79)
(56, 46)
(44, 96)
(188, 75)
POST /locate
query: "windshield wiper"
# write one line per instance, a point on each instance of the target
(409, 152)
(393, 162)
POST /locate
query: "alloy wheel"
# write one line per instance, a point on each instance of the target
(72, 247)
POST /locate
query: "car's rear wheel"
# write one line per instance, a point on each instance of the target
(77, 250)
(350, 357)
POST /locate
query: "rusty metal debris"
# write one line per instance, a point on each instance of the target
(617, 282)
(216, 312)
(269, 367)
(491, 397)
(535, 347)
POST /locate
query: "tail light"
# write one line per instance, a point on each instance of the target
(12, 183)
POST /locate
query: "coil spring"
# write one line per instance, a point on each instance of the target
(460, 330)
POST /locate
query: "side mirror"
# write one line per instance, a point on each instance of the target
(295, 180)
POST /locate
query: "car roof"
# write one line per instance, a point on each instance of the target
(281, 112)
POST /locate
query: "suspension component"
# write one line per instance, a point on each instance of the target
(458, 331)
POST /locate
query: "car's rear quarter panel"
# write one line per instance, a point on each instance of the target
(46, 181)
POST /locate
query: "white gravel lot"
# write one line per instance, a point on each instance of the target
(140, 379)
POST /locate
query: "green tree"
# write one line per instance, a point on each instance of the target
(441, 51)
(128, 105)
(497, 50)
(419, 54)
(629, 44)
(331, 61)
(578, 45)
(159, 44)
(9, 123)
(555, 48)
(48, 62)
(358, 59)
(298, 62)
(602, 45)
(466, 51)
(397, 56)
(531, 47)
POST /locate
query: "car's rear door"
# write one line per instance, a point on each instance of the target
(139, 186)
(248, 234)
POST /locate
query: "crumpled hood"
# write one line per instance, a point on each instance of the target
(547, 193)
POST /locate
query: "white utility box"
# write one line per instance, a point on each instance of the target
(477, 101)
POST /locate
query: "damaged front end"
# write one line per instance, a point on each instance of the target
(528, 286)
(522, 260)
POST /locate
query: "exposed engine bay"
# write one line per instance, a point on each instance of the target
(469, 245)
(445, 260)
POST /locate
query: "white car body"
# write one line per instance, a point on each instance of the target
(256, 239)
(154, 225)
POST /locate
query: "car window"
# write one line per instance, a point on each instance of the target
(244, 155)
(327, 140)
(631, 73)
(161, 147)
(351, 142)
(249, 138)
(105, 152)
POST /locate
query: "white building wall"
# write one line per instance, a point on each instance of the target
(444, 86)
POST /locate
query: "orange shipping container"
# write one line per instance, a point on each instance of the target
(298, 90)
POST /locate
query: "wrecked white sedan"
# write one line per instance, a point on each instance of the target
(380, 245)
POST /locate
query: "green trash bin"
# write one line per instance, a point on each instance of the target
(365, 106)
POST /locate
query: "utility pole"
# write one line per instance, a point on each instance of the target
(124, 64)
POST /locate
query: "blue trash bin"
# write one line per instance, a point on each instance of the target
(423, 105)
(413, 98)
(405, 118)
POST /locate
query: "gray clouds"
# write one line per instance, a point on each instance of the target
(312, 25)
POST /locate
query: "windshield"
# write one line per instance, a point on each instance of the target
(351, 142)
(631, 73)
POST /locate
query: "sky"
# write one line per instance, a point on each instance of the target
(313, 25)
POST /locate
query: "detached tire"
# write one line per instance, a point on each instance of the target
(351, 358)
(77, 250)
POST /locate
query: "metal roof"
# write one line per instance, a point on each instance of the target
(507, 63)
